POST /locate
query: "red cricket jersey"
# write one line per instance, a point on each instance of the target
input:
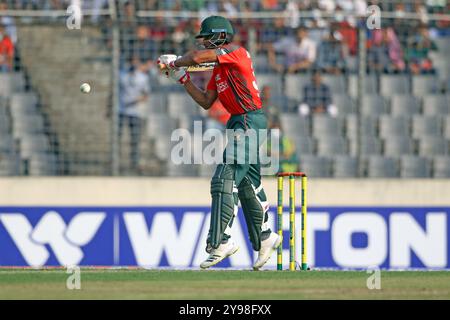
(234, 80)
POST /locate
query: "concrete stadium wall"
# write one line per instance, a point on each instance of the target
(95, 191)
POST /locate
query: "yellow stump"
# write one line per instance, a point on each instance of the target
(291, 223)
(304, 216)
(280, 222)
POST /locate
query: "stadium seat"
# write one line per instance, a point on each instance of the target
(441, 65)
(295, 125)
(331, 145)
(369, 146)
(373, 105)
(32, 144)
(414, 167)
(441, 167)
(11, 83)
(42, 165)
(404, 105)
(273, 80)
(336, 83)
(393, 84)
(443, 45)
(324, 125)
(435, 105)
(9, 164)
(294, 85)
(303, 145)
(3, 107)
(393, 126)
(426, 126)
(6, 143)
(24, 125)
(34, 119)
(382, 167)
(432, 145)
(424, 84)
(344, 103)
(368, 126)
(283, 103)
(316, 167)
(345, 167)
(5, 125)
(395, 146)
(370, 85)
(447, 127)
(23, 103)
(24, 98)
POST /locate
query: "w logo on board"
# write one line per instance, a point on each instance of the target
(64, 240)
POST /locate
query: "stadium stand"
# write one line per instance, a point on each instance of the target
(400, 128)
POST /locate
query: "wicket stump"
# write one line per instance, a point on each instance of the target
(292, 255)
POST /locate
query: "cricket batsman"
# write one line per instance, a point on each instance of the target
(233, 82)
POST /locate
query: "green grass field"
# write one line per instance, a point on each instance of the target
(223, 284)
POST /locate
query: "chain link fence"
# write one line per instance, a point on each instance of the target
(357, 91)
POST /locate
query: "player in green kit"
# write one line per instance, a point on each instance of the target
(233, 82)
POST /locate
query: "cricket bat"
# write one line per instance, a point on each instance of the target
(207, 66)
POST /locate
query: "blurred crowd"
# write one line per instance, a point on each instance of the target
(292, 42)
(303, 36)
(299, 43)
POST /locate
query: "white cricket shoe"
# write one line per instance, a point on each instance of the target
(223, 251)
(268, 246)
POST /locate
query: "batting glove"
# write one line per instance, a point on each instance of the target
(179, 75)
(166, 59)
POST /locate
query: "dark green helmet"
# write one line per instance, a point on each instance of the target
(215, 25)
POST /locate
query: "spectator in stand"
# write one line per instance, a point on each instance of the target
(271, 32)
(6, 51)
(144, 48)
(180, 38)
(317, 98)
(160, 33)
(270, 5)
(385, 53)
(300, 52)
(135, 90)
(128, 25)
(231, 7)
(331, 54)
(436, 6)
(317, 30)
(292, 13)
(96, 6)
(421, 10)
(353, 6)
(419, 46)
(8, 23)
(349, 36)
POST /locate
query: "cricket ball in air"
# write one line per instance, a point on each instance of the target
(85, 88)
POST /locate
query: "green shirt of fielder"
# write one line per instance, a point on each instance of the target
(237, 178)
